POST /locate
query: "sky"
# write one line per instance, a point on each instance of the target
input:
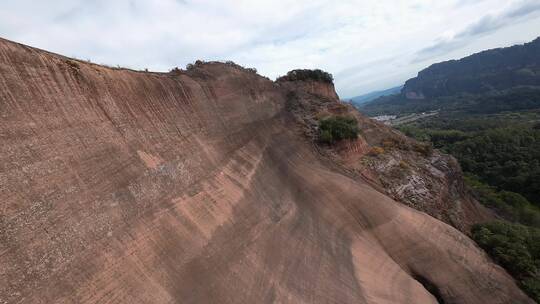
(367, 45)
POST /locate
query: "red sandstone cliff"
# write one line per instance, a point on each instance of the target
(119, 186)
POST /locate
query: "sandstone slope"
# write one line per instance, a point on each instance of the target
(119, 186)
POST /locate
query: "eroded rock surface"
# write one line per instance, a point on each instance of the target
(404, 169)
(119, 186)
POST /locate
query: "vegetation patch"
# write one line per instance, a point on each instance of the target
(403, 165)
(516, 248)
(337, 128)
(400, 144)
(510, 205)
(74, 65)
(376, 151)
(200, 63)
(302, 75)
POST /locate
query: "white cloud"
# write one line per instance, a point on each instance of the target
(367, 45)
(490, 23)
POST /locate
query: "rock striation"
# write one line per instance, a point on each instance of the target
(202, 186)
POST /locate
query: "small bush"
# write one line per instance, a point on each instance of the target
(376, 151)
(175, 70)
(403, 165)
(424, 149)
(388, 144)
(73, 64)
(321, 115)
(326, 136)
(337, 128)
(395, 143)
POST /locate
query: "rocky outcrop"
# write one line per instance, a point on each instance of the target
(430, 182)
(120, 186)
(321, 89)
(408, 171)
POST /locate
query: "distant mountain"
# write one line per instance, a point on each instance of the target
(491, 70)
(503, 79)
(358, 100)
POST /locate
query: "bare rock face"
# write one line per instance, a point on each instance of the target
(420, 177)
(320, 89)
(119, 186)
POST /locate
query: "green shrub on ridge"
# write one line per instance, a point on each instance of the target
(337, 128)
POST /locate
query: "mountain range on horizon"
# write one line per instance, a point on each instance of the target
(491, 72)
(358, 100)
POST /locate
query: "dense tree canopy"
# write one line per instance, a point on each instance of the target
(516, 248)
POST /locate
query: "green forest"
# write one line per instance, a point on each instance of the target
(516, 248)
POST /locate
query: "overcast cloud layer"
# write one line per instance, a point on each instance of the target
(367, 45)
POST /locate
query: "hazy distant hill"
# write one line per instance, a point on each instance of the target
(491, 81)
(496, 69)
(374, 95)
